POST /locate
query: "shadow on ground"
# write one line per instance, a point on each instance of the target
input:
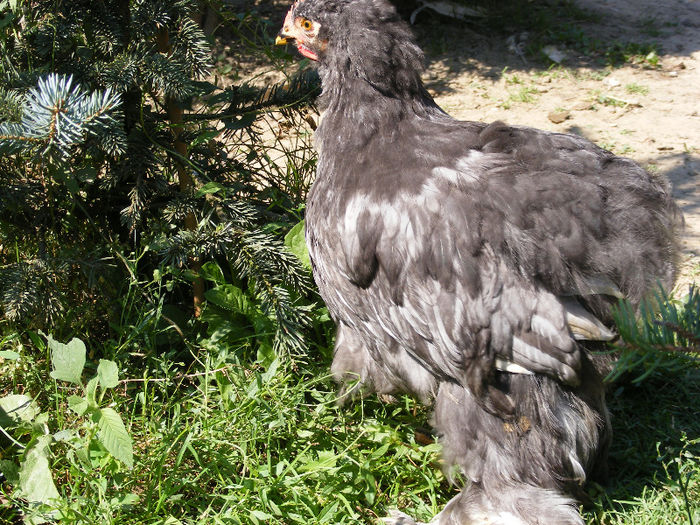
(654, 425)
(588, 34)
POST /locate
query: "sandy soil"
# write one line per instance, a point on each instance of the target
(650, 114)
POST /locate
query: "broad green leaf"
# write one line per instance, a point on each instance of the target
(328, 512)
(211, 271)
(10, 470)
(222, 324)
(108, 373)
(172, 521)
(323, 315)
(91, 392)
(83, 455)
(66, 435)
(68, 360)
(271, 370)
(37, 340)
(78, 404)
(41, 420)
(210, 187)
(296, 243)
(113, 435)
(16, 408)
(205, 136)
(11, 355)
(266, 354)
(379, 453)
(126, 499)
(35, 480)
(327, 459)
(230, 297)
(6, 20)
(71, 183)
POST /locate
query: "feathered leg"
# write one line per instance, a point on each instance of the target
(396, 372)
(526, 470)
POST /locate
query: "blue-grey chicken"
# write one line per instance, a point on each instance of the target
(468, 264)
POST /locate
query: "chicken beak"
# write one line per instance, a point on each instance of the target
(286, 31)
(284, 36)
(291, 32)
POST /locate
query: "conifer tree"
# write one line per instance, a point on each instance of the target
(111, 145)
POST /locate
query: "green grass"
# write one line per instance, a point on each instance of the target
(655, 456)
(608, 100)
(650, 27)
(228, 442)
(524, 95)
(637, 89)
(222, 436)
(619, 53)
(219, 438)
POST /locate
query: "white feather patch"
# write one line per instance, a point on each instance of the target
(507, 366)
(448, 174)
(544, 326)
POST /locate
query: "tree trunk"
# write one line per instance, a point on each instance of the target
(175, 115)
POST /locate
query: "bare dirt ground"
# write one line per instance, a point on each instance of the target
(648, 110)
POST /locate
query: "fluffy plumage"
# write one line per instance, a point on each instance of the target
(466, 263)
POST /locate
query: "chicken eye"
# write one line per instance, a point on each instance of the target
(307, 25)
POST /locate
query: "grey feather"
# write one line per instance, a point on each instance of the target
(467, 262)
(584, 325)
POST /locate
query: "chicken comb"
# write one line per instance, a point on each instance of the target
(289, 17)
(293, 7)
